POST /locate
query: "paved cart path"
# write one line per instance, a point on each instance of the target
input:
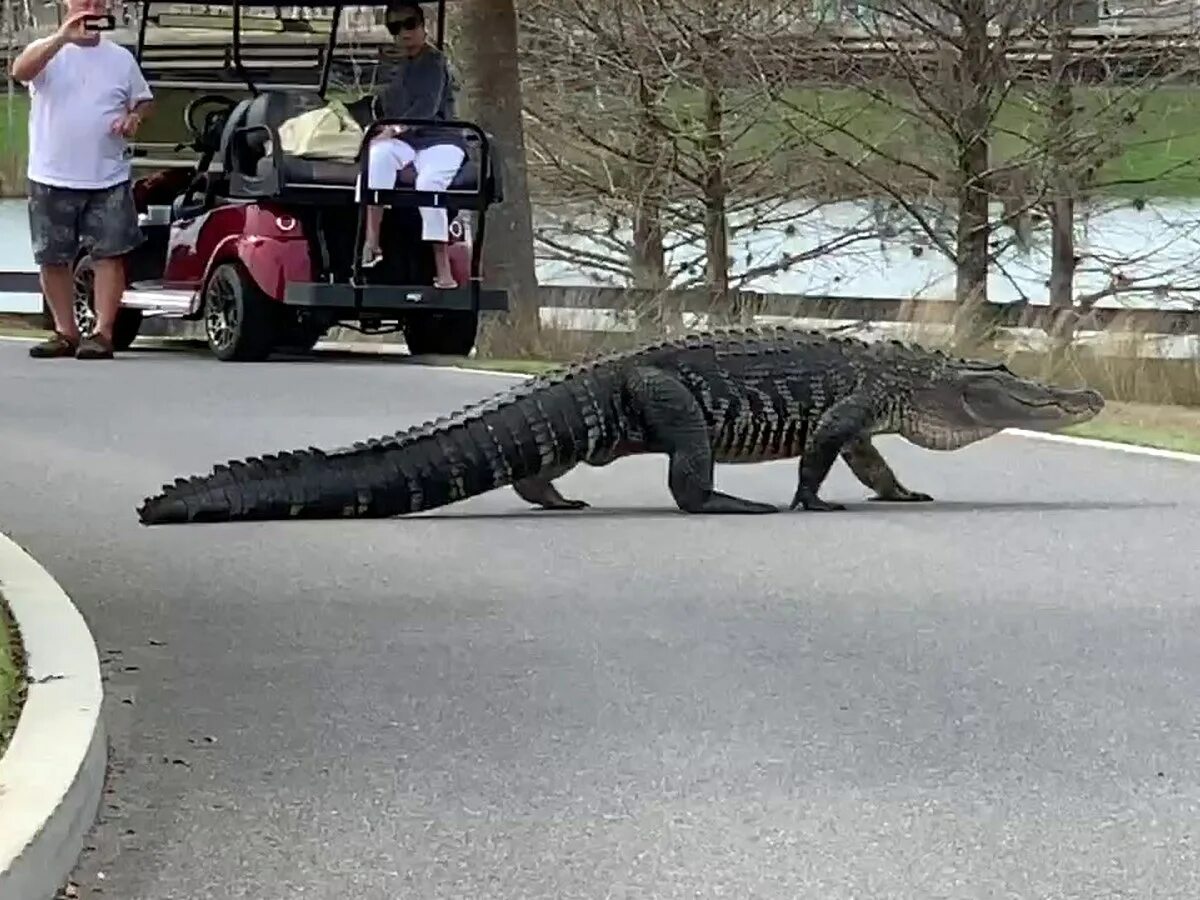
(994, 695)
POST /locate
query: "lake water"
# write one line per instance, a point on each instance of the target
(1159, 243)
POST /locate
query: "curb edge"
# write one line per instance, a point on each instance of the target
(1097, 443)
(52, 774)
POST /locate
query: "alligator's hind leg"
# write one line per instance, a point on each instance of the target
(869, 467)
(540, 491)
(674, 424)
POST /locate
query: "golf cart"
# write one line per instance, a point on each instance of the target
(264, 247)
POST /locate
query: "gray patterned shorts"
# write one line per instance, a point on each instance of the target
(63, 219)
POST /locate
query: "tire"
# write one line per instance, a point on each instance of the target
(128, 322)
(441, 333)
(238, 317)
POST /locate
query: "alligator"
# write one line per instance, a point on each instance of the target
(734, 395)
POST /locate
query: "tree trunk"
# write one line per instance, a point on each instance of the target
(971, 288)
(1062, 213)
(648, 264)
(716, 191)
(492, 98)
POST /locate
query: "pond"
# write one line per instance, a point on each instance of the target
(1160, 242)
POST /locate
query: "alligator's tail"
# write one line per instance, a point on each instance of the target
(537, 426)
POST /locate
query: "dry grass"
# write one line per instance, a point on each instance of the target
(1120, 361)
(22, 325)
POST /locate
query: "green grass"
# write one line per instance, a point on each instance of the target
(1161, 146)
(516, 366)
(12, 676)
(1146, 425)
(14, 144)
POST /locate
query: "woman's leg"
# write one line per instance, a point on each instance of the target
(436, 167)
(385, 158)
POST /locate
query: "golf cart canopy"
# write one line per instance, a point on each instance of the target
(234, 45)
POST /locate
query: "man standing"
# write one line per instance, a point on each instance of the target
(417, 84)
(87, 96)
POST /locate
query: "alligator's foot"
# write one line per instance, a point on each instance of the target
(811, 502)
(716, 502)
(541, 492)
(903, 495)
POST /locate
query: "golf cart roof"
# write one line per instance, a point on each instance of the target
(234, 46)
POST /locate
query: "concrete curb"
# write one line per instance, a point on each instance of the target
(1135, 449)
(52, 774)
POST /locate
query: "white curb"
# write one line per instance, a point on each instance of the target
(1120, 447)
(52, 773)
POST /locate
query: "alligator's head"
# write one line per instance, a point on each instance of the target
(963, 401)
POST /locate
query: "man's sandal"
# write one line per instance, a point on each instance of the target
(56, 346)
(96, 346)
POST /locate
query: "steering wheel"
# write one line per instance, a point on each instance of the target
(198, 132)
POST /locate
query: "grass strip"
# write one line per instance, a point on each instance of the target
(12, 675)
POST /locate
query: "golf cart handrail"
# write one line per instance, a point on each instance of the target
(483, 191)
(432, 198)
(379, 196)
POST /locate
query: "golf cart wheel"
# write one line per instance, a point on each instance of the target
(441, 333)
(129, 321)
(237, 316)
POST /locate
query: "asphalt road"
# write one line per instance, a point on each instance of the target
(990, 696)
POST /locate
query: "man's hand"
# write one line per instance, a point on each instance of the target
(126, 125)
(72, 31)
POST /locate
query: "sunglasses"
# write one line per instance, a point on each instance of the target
(408, 24)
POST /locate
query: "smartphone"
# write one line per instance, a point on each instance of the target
(99, 23)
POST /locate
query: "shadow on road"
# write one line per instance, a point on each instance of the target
(854, 509)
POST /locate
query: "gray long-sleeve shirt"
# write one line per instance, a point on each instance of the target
(420, 87)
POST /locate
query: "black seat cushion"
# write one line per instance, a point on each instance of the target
(273, 107)
(335, 172)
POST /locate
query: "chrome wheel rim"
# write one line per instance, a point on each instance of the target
(221, 313)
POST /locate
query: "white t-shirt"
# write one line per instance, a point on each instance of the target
(73, 102)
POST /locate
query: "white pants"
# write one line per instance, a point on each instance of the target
(436, 167)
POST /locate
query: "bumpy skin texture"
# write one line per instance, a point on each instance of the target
(729, 396)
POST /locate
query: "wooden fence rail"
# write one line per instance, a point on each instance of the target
(624, 309)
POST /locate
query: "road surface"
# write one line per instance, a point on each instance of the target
(991, 696)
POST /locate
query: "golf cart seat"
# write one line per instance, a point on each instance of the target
(255, 172)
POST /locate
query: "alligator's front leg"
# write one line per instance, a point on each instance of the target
(869, 467)
(839, 425)
(540, 491)
(674, 424)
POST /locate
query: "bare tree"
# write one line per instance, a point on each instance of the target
(951, 107)
(653, 147)
(1091, 106)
